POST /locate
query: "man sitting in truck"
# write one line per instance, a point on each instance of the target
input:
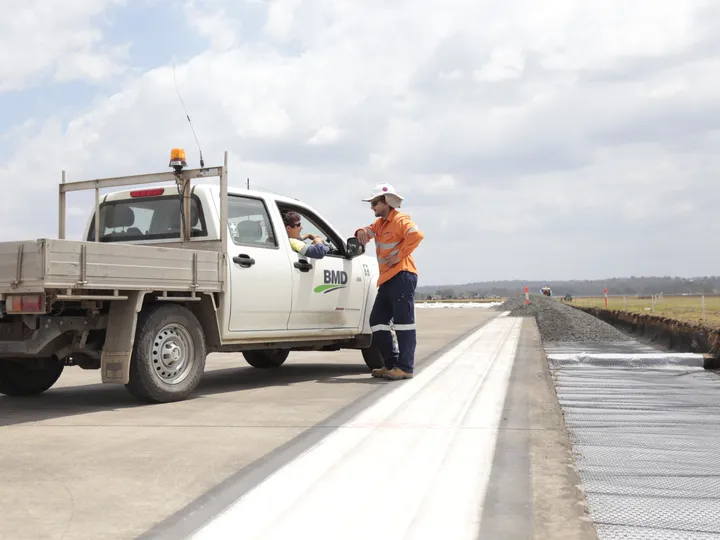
(293, 225)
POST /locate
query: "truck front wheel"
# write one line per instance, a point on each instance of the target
(28, 377)
(169, 354)
(266, 359)
(372, 357)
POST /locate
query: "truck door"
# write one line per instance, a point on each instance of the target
(261, 283)
(327, 293)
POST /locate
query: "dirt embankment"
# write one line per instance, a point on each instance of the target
(670, 333)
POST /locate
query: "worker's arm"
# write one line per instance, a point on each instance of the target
(365, 234)
(412, 236)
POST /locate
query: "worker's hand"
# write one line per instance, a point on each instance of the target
(317, 240)
(308, 236)
(392, 261)
(363, 236)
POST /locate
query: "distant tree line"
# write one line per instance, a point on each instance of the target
(616, 286)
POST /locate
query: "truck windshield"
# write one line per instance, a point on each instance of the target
(147, 218)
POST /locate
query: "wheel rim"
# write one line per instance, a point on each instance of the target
(173, 354)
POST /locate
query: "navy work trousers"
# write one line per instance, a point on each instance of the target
(395, 302)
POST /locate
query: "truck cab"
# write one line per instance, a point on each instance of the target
(273, 293)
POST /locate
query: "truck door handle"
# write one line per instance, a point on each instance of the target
(244, 260)
(303, 266)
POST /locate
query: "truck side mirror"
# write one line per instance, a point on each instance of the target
(354, 248)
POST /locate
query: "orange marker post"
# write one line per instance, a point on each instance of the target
(527, 295)
(606, 298)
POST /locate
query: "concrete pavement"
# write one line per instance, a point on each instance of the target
(85, 460)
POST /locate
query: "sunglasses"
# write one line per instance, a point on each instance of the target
(294, 225)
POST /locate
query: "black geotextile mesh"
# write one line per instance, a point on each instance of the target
(646, 439)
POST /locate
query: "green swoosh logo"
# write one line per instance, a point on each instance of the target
(327, 288)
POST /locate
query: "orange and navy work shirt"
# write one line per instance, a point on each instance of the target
(394, 235)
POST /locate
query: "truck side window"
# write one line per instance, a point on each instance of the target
(250, 223)
(313, 225)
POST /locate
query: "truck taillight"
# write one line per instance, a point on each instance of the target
(154, 192)
(25, 303)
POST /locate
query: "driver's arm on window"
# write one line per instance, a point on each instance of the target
(316, 250)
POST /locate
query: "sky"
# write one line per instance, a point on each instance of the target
(568, 139)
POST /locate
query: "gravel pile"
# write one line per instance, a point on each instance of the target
(558, 322)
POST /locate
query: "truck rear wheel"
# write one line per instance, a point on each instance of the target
(266, 359)
(169, 354)
(28, 377)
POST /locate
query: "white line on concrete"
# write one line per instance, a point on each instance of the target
(414, 465)
(504, 314)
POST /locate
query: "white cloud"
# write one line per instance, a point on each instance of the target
(89, 66)
(572, 139)
(41, 39)
(211, 20)
(281, 19)
(325, 135)
(504, 63)
(444, 184)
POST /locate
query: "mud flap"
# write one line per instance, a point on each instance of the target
(118, 347)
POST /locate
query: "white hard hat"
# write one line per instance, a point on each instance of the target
(387, 191)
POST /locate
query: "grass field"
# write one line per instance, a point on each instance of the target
(683, 308)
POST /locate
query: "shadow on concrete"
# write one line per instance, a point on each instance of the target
(73, 400)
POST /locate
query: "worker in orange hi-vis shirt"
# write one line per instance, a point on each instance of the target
(396, 237)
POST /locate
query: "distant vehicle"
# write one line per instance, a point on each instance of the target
(169, 274)
(547, 291)
(568, 297)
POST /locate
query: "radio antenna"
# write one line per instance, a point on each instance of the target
(202, 162)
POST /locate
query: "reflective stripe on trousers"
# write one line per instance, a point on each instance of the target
(395, 302)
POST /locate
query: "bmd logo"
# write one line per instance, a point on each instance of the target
(334, 280)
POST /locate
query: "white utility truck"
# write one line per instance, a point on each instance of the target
(170, 273)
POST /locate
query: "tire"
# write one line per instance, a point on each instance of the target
(266, 359)
(28, 377)
(372, 357)
(169, 353)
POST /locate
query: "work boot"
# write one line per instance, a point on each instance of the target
(380, 373)
(396, 374)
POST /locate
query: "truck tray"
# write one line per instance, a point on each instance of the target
(36, 265)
